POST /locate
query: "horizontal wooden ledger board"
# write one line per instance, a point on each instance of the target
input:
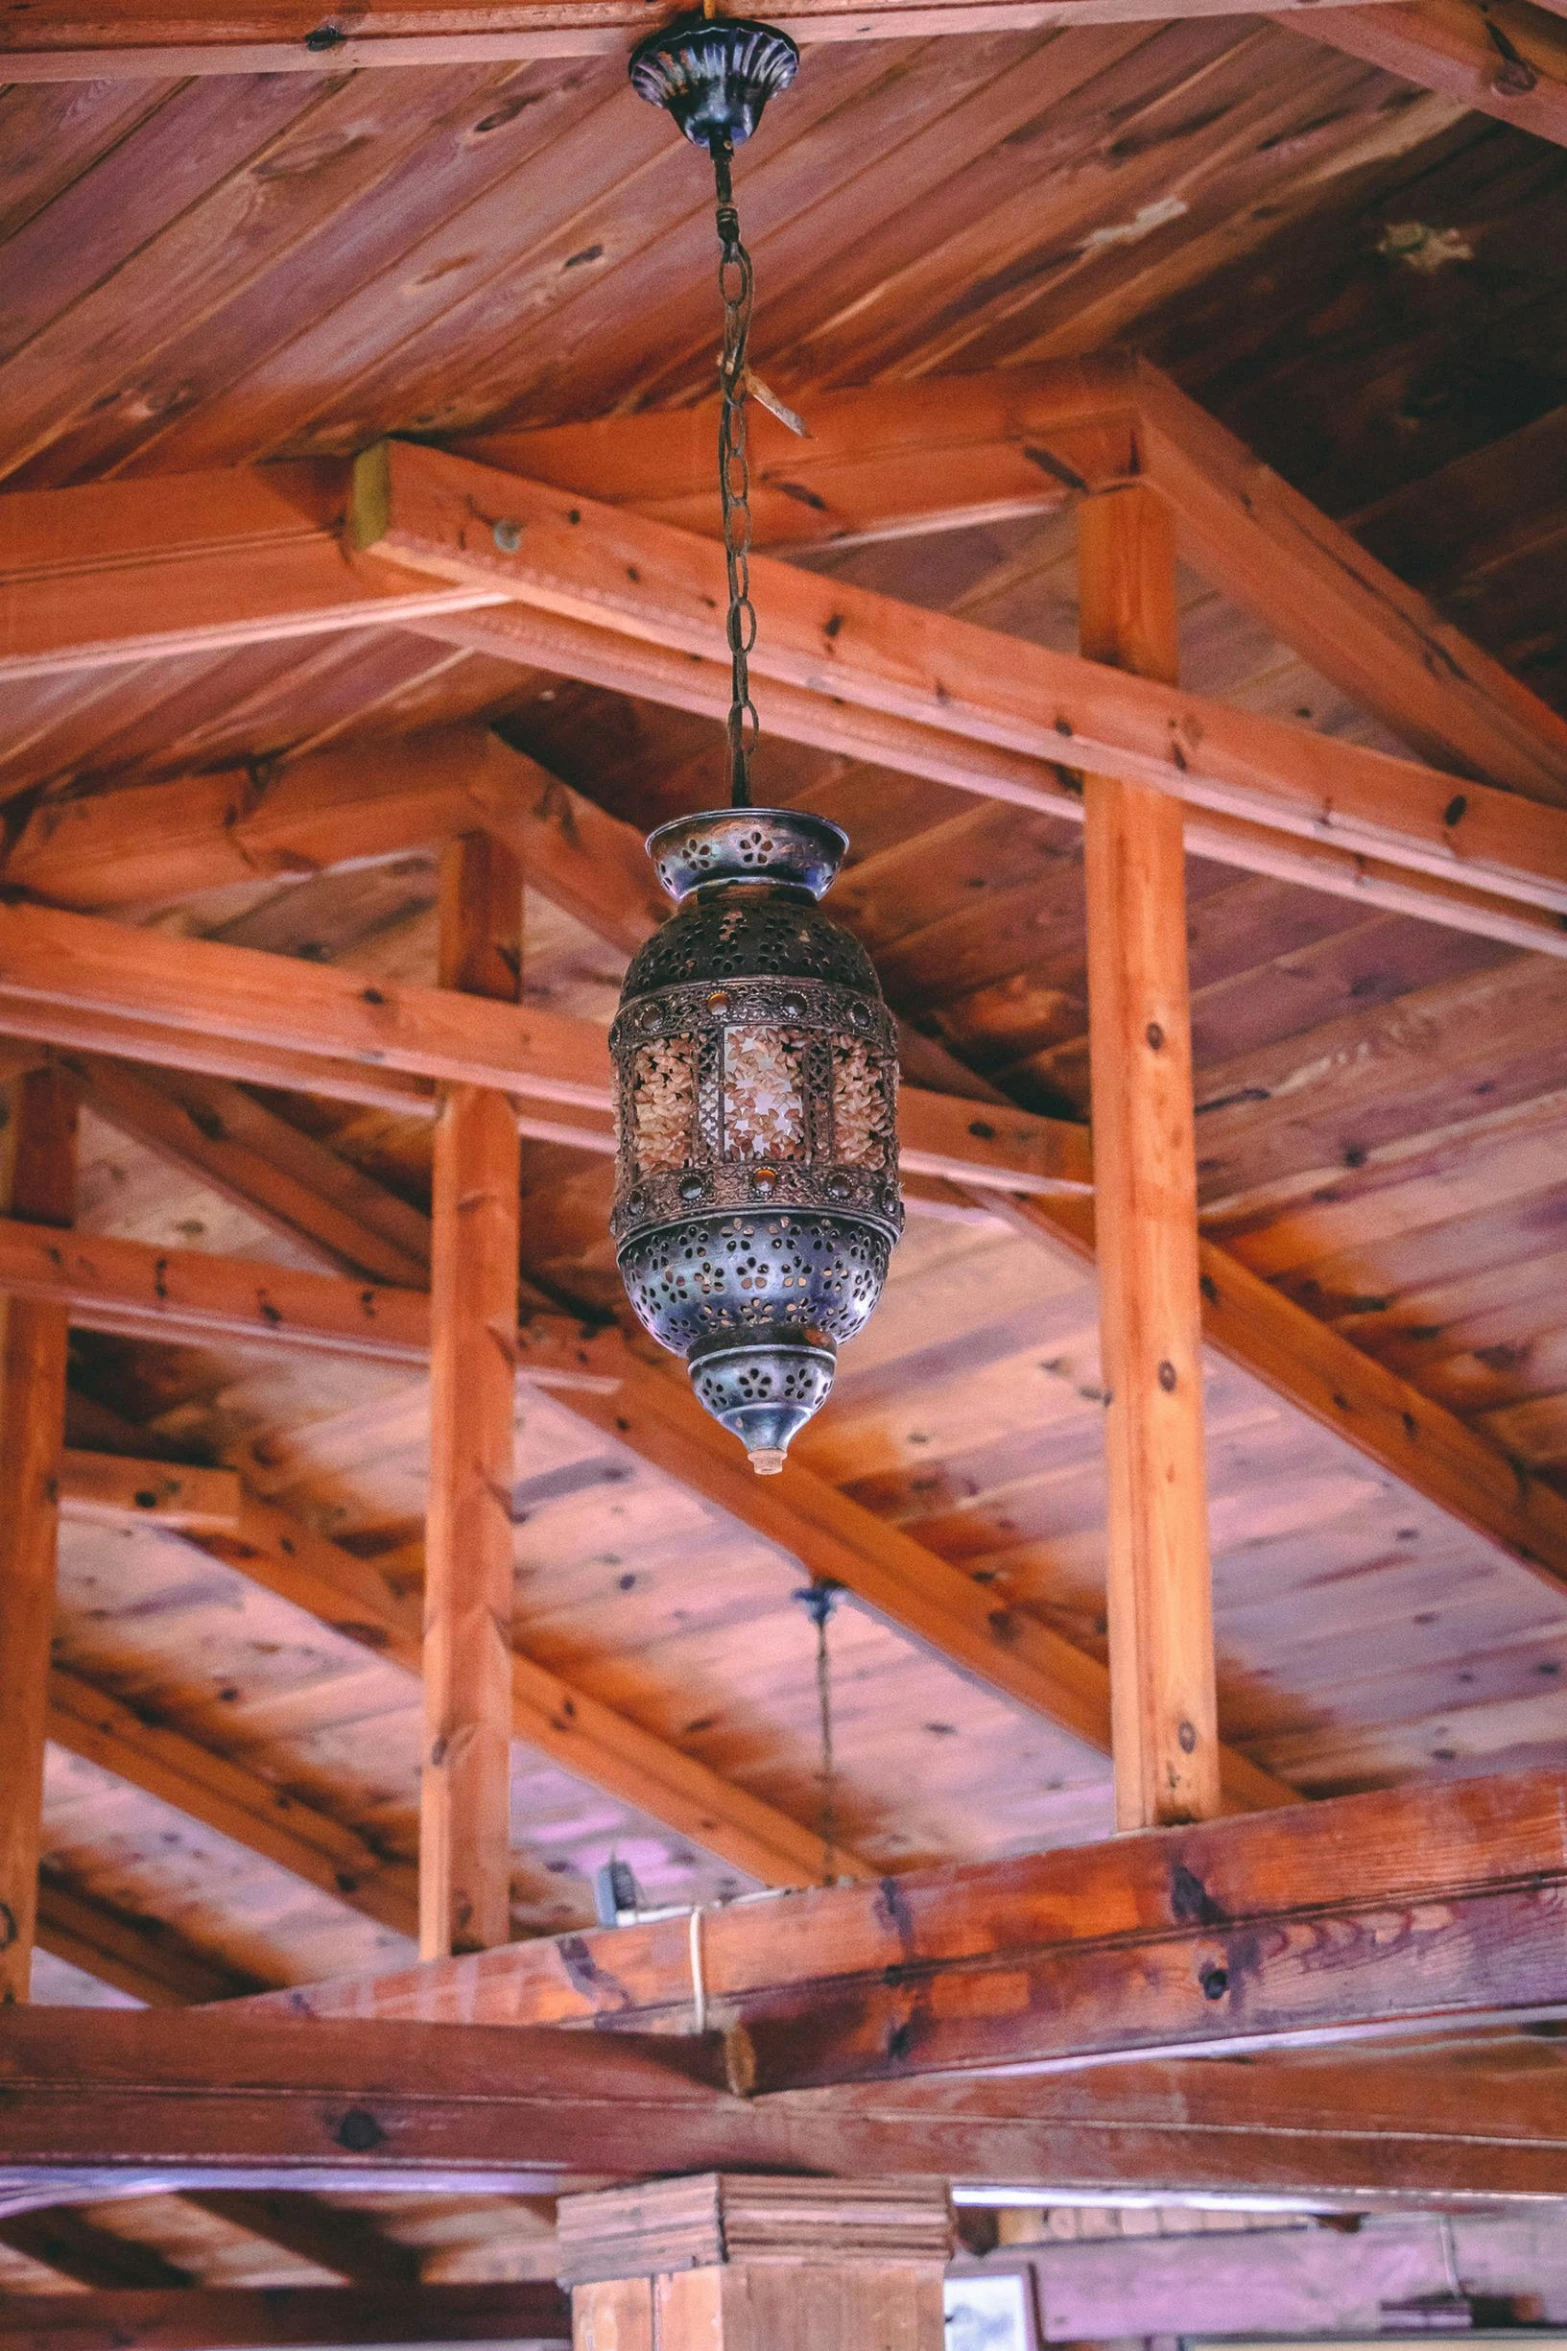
(1316, 1921)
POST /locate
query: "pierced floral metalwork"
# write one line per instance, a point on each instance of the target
(757, 1192)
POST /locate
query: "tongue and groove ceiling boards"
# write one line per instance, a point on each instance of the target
(1147, 248)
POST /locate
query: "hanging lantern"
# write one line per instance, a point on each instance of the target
(757, 1193)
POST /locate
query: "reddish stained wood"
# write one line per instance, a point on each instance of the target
(234, 2318)
(42, 1173)
(465, 1784)
(1163, 1704)
(598, 565)
(1324, 1919)
(1450, 46)
(138, 46)
(95, 2100)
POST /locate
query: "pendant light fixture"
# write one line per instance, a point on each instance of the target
(756, 1199)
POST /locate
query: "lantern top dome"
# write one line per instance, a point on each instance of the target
(785, 848)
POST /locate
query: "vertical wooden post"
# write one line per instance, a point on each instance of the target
(41, 1150)
(1163, 1713)
(465, 1811)
(720, 2263)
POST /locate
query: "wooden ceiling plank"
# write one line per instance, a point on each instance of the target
(1163, 1701)
(465, 1775)
(585, 1737)
(246, 1153)
(607, 569)
(909, 1586)
(39, 1174)
(91, 2256)
(229, 1799)
(1321, 1373)
(535, 2317)
(136, 1956)
(1508, 60)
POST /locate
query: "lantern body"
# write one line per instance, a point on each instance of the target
(757, 1193)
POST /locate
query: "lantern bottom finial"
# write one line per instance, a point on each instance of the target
(765, 1387)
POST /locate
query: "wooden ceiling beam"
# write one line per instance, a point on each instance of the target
(606, 569)
(227, 1798)
(78, 982)
(233, 1145)
(134, 41)
(1414, 1906)
(607, 1750)
(96, 2100)
(134, 1955)
(264, 2318)
(892, 459)
(353, 805)
(1507, 59)
(330, 2237)
(89, 571)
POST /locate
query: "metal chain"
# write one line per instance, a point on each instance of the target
(819, 1601)
(734, 473)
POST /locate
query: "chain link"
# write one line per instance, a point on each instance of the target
(734, 473)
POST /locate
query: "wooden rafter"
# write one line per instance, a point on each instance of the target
(1508, 58)
(585, 1737)
(227, 1798)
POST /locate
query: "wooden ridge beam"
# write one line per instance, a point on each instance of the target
(98, 2101)
(605, 569)
(255, 2318)
(1507, 59)
(607, 1750)
(133, 41)
(85, 984)
(1334, 1921)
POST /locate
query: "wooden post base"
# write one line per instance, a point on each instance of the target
(726, 2263)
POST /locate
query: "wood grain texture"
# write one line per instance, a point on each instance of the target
(1509, 62)
(41, 1152)
(465, 1798)
(608, 569)
(1342, 1916)
(226, 2318)
(1164, 1711)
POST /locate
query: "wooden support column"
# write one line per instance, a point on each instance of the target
(39, 1151)
(1164, 1727)
(465, 1825)
(726, 2263)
